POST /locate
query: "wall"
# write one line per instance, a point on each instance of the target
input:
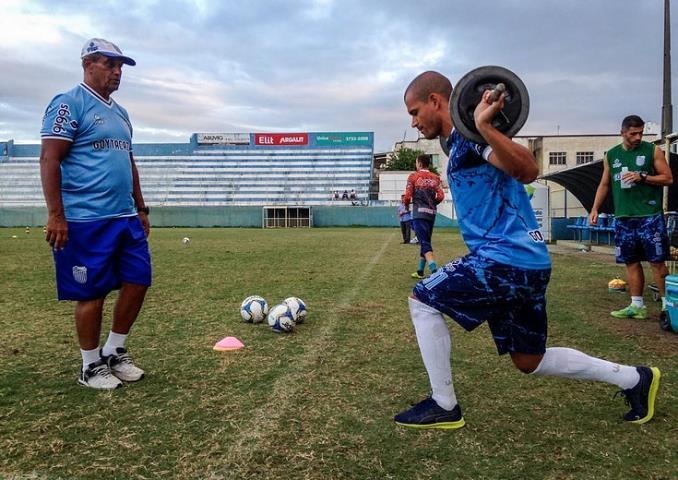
(246, 216)
(206, 216)
(392, 184)
(364, 216)
(23, 216)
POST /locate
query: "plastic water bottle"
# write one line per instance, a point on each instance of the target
(624, 184)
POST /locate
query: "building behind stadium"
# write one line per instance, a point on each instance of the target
(554, 153)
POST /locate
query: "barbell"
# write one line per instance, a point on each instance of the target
(468, 92)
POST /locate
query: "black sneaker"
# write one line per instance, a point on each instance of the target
(428, 414)
(641, 397)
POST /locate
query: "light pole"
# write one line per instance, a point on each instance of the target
(667, 107)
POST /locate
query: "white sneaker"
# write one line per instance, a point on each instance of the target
(122, 366)
(98, 375)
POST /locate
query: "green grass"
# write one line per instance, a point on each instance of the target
(317, 403)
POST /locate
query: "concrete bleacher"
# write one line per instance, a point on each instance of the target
(20, 182)
(209, 175)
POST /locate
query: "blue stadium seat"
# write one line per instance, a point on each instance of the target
(610, 229)
(581, 227)
(577, 228)
(585, 228)
(600, 226)
(573, 227)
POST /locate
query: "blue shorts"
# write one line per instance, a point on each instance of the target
(473, 289)
(639, 239)
(424, 230)
(99, 256)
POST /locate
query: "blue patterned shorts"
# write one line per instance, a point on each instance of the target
(424, 230)
(639, 239)
(473, 289)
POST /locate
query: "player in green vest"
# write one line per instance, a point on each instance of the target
(636, 172)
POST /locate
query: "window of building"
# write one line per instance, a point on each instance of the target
(584, 157)
(557, 158)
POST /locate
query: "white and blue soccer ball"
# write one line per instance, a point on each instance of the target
(297, 307)
(185, 240)
(253, 309)
(280, 318)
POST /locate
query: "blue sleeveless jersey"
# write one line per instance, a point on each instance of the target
(96, 174)
(493, 209)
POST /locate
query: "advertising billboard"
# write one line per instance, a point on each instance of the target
(280, 139)
(342, 138)
(223, 138)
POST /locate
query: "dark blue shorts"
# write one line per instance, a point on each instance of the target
(424, 230)
(641, 239)
(99, 256)
(473, 289)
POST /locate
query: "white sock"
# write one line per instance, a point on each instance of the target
(89, 356)
(115, 340)
(637, 302)
(570, 363)
(663, 303)
(435, 346)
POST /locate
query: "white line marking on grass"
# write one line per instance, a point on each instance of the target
(281, 400)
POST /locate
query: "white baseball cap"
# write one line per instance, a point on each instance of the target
(104, 47)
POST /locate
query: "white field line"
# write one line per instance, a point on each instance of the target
(281, 401)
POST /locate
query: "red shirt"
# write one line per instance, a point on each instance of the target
(424, 191)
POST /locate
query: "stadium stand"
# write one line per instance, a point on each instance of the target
(257, 169)
(20, 176)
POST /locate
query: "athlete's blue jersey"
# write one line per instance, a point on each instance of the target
(96, 175)
(493, 209)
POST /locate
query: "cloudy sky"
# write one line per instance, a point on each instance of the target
(332, 65)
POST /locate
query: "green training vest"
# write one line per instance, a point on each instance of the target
(641, 199)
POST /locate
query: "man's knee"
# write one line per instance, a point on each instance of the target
(95, 303)
(526, 363)
(135, 287)
(660, 267)
(634, 267)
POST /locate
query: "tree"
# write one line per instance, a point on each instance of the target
(405, 159)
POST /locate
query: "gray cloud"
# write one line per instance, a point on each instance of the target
(339, 65)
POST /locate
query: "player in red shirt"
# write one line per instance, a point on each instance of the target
(423, 190)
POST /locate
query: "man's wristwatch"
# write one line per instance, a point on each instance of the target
(643, 177)
(145, 210)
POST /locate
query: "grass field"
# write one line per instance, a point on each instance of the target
(317, 403)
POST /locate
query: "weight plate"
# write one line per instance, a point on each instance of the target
(469, 91)
(443, 145)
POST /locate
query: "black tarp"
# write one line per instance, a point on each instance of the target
(582, 181)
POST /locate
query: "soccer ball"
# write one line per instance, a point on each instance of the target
(185, 240)
(297, 307)
(253, 309)
(280, 318)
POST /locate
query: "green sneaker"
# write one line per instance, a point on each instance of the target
(639, 313)
(417, 275)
